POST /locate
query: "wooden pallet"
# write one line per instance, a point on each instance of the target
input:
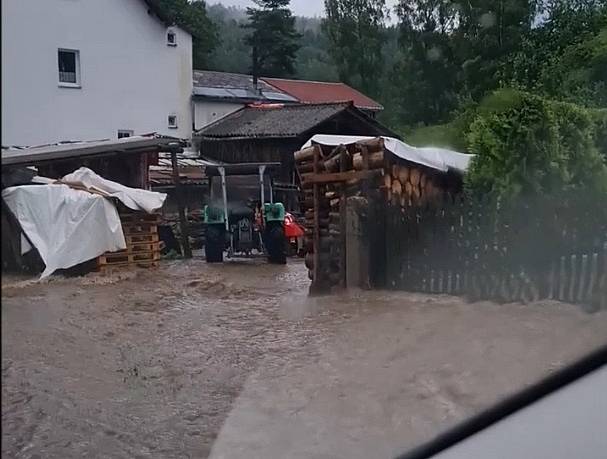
(139, 217)
(139, 228)
(141, 238)
(142, 241)
(140, 247)
(126, 257)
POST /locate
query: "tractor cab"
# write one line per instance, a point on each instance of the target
(242, 217)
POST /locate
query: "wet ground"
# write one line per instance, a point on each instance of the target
(234, 360)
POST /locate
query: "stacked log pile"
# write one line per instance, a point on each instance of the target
(330, 175)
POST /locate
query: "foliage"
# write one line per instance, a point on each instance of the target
(565, 56)
(193, 17)
(600, 131)
(532, 146)
(441, 135)
(231, 54)
(272, 38)
(313, 61)
(355, 32)
(425, 73)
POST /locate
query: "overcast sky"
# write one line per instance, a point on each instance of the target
(299, 7)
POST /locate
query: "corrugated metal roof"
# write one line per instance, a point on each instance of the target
(318, 92)
(274, 120)
(223, 85)
(210, 79)
(35, 155)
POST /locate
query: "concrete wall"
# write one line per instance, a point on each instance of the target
(208, 111)
(130, 78)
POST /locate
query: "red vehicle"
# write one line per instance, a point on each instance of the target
(294, 234)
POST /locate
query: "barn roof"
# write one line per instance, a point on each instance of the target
(280, 121)
(319, 92)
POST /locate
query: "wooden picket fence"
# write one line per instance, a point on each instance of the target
(543, 248)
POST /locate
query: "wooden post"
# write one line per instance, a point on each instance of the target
(366, 260)
(342, 218)
(316, 233)
(183, 223)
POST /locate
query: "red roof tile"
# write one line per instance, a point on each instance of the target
(318, 92)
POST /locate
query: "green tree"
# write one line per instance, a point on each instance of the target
(231, 54)
(355, 32)
(273, 39)
(427, 73)
(488, 32)
(564, 55)
(192, 16)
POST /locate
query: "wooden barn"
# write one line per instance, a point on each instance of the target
(272, 132)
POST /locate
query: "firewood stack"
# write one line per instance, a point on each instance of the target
(331, 175)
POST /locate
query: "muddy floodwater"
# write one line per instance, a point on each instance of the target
(234, 360)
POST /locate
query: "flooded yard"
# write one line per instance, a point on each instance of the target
(233, 360)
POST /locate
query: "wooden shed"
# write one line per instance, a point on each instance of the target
(272, 132)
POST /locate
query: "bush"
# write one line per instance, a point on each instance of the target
(525, 144)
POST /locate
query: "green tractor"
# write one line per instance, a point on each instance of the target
(244, 225)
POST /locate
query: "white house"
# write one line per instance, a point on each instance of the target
(91, 69)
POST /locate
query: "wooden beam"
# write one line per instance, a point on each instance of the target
(310, 179)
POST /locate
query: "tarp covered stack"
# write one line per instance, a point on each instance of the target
(337, 171)
(75, 219)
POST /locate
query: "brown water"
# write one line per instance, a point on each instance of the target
(236, 357)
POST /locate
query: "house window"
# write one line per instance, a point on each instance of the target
(171, 38)
(122, 133)
(173, 121)
(69, 67)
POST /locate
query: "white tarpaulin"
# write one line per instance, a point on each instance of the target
(435, 158)
(70, 226)
(67, 226)
(133, 198)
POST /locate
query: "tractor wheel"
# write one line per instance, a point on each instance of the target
(214, 244)
(275, 244)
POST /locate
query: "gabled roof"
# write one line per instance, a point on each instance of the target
(319, 92)
(280, 121)
(224, 85)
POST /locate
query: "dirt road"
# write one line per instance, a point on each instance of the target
(234, 360)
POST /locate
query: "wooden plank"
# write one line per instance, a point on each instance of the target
(594, 267)
(572, 277)
(562, 280)
(310, 179)
(582, 284)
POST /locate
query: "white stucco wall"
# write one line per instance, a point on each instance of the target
(130, 78)
(207, 111)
